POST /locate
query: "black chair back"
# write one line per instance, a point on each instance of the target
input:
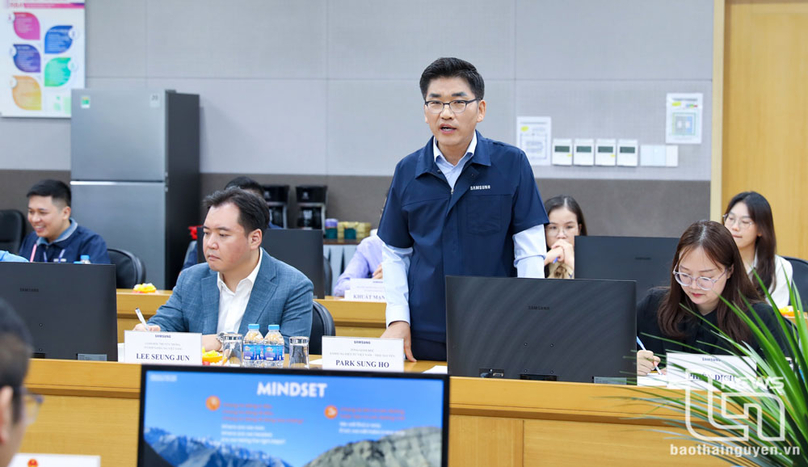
(129, 269)
(12, 230)
(322, 324)
(800, 278)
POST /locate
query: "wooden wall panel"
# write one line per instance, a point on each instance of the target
(765, 130)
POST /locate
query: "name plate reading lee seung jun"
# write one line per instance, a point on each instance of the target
(362, 353)
(163, 348)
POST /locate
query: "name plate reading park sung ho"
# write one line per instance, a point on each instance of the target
(363, 354)
(163, 348)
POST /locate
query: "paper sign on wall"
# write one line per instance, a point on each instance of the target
(683, 118)
(365, 290)
(54, 460)
(163, 348)
(533, 135)
(43, 41)
(363, 354)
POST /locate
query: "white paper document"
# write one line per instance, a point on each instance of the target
(683, 118)
(533, 136)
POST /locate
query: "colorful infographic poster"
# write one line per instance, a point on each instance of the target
(41, 56)
(210, 419)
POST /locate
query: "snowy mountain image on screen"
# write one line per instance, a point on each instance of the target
(182, 451)
(416, 447)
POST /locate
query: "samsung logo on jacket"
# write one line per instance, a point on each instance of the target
(480, 187)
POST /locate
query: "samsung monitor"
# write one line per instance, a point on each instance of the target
(541, 329)
(301, 249)
(70, 309)
(646, 260)
(227, 416)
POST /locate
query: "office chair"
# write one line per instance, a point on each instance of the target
(322, 324)
(129, 269)
(12, 230)
(800, 278)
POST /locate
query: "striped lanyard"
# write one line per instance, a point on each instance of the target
(45, 255)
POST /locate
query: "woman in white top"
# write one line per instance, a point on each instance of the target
(566, 223)
(749, 218)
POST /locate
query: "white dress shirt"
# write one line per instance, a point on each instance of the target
(232, 305)
(529, 248)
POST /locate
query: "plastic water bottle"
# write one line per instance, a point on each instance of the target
(273, 347)
(253, 347)
(85, 259)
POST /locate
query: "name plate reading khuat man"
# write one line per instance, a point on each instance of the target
(163, 348)
(363, 354)
(365, 290)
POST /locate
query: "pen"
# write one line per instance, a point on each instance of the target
(142, 320)
(639, 342)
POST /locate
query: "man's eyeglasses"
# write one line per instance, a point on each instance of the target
(31, 404)
(704, 283)
(456, 106)
(553, 230)
(731, 219)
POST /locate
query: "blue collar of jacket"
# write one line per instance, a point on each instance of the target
(427, 164)
(64, 236)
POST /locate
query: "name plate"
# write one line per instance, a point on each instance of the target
(363, 354)
(685, 371)
(365, 290)
(163, 348)
(54, 460)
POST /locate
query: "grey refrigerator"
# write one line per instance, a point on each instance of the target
(135, 172)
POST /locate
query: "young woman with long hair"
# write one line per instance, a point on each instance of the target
(749, 219)
(566, 221)
(707, 266)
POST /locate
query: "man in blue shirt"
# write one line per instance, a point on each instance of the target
(57, 237)
(461, 205)
(7, 257)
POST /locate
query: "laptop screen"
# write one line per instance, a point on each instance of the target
(243, 417)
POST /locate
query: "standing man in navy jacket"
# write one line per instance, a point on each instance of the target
(461, 205)
(57, 237)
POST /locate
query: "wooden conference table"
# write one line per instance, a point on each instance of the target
(354, 319)
(91, 408)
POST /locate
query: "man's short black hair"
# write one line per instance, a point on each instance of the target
(56, 189)
(253, 213)
(450, 67)
(245, 183)
(15, 351)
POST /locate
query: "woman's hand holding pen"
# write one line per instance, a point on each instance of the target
(646, 362)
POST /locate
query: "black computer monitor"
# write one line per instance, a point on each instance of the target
(646, 260)
(209, 416)
(70, 309)
(301, 249)
(542, 329)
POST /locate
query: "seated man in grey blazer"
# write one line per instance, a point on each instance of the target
(240, 284)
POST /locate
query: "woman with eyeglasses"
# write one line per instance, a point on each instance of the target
(566, 221)
(749, 219)
(707, 266)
